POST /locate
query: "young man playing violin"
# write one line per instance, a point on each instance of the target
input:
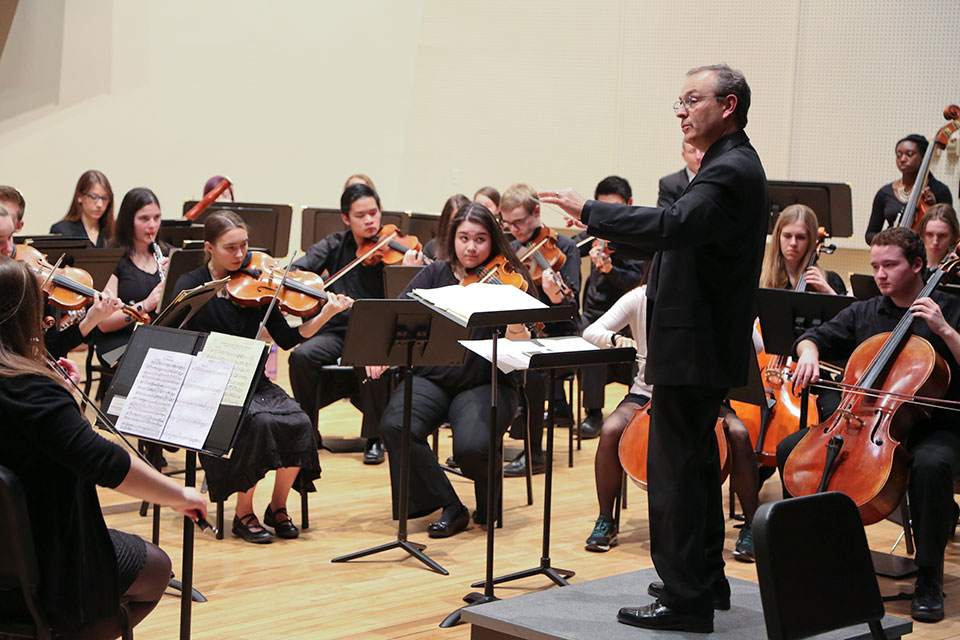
(313, 388)
(520, 215)
(898, 259)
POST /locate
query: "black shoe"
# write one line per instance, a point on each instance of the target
(446, 528)
(604, 535)
(517, 468)
(663, 618)
(927, 604)
(284, 525)
(591, 425)
(721, 593)
(743, 551)
(242, 528)
(452, 463)
(373, 454)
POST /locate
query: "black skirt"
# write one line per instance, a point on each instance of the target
(276, 433)
(131, 553)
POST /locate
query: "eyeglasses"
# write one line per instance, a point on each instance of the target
(94, 198)
(690, 102)
(516, 223)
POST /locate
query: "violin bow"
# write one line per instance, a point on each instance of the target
(273, 300)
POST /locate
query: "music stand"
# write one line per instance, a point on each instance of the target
(53, 243)
(831, 201)
(269, 223)
(99, 263)
(554, 361)
(401, 333)
(396, 278)
(497, 321)
(177, 232)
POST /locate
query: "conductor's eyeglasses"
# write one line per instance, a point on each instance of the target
(690, 102)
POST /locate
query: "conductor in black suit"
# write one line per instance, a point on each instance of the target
(672, 186)
(700, 310)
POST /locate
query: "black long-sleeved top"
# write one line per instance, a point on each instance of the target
(59, 459)
(221, 315)
(837, 338)
(570, 272)
(886, 205)
(332, 254)
(604, 289)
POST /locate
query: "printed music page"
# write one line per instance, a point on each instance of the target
(480, 296)
(516, 354)
(196, 406)
(244, 354)
(158, 383)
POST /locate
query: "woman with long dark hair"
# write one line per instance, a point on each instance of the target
(90, 214)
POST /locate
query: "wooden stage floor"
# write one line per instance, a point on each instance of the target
(290, 589)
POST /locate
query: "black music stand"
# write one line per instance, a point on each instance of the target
(269, 223)
(831, 201)
(219, 441)
(554, 361)
(99, 263)
(396, 278)
(401, 333)
(497, 321)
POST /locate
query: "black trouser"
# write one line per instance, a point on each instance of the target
(684, 499)
(315, 388)
(469, 415)
(594, 379)
(936, 460)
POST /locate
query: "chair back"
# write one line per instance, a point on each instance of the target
(814, 567)
(18, 559)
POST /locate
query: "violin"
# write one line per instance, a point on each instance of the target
(67, 288)
(859, 449)
(388, 247)
(909, 217)
(542, 253)
(257, 281)
(632, 449)
(499, 270)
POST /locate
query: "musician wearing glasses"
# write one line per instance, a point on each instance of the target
(90, 214)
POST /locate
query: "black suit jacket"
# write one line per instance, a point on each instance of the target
(703, 282)
(672, 187)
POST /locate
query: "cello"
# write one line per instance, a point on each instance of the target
(910, 218)
(859, 449)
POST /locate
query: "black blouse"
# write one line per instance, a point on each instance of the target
(133, 285)
(75, 229)
(58, 458)
(886, 205)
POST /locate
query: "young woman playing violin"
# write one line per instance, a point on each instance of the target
(58, 458)
(460, 395)
(90, 214)
(275, 434)
(520, 214)
(898, 259)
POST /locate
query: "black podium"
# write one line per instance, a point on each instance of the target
(406, 334)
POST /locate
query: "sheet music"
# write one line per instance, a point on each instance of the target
(154, 391)
(196, 407)
(516, 354)
(480, 296)
(244, 354)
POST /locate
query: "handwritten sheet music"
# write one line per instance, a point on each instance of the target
(154, 391)
(196, 406)
(244, 354)
(480, 296)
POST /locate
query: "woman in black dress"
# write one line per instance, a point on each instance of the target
(46, 442)
(276, 433)
(90, 214)
(458, 395)
(890, 199)
(138, 277)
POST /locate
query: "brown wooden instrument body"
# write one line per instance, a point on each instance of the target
(497, 270)
(393, 249)
(633, 447)
(873, 465)
(208, 199)
(301, 294)
(915, 208)
(541, 253)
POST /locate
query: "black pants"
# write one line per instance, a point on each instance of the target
(315, 388)
(469, 415)
(686, 516)
(936, 460)
(594, 379)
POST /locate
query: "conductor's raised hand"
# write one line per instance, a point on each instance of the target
(567, 199)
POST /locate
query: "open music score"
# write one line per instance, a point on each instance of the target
(463, 302)
(243, 354)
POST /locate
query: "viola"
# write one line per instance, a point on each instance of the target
(859, 449)
(632, 449)
(542, 253)
(499, 270)
(257, 281)
(68, 288)
(909, 217)
(388, 247)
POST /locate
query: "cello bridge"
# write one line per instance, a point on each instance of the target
(850, 416)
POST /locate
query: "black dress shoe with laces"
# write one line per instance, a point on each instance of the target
(281, 522)
(662, 618)
(444, 528)
(721, 593)
(927, 604)
(243, 528)
(517, 468)
(374, 452)
(591, 426)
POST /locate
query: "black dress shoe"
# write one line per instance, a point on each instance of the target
(517, 468)
(927, 604)
(591, 425)
(242, 528)
(373, 454)
(446, 528)
(663, 618)
(452, 463)
(281, 522)
(721, 593)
